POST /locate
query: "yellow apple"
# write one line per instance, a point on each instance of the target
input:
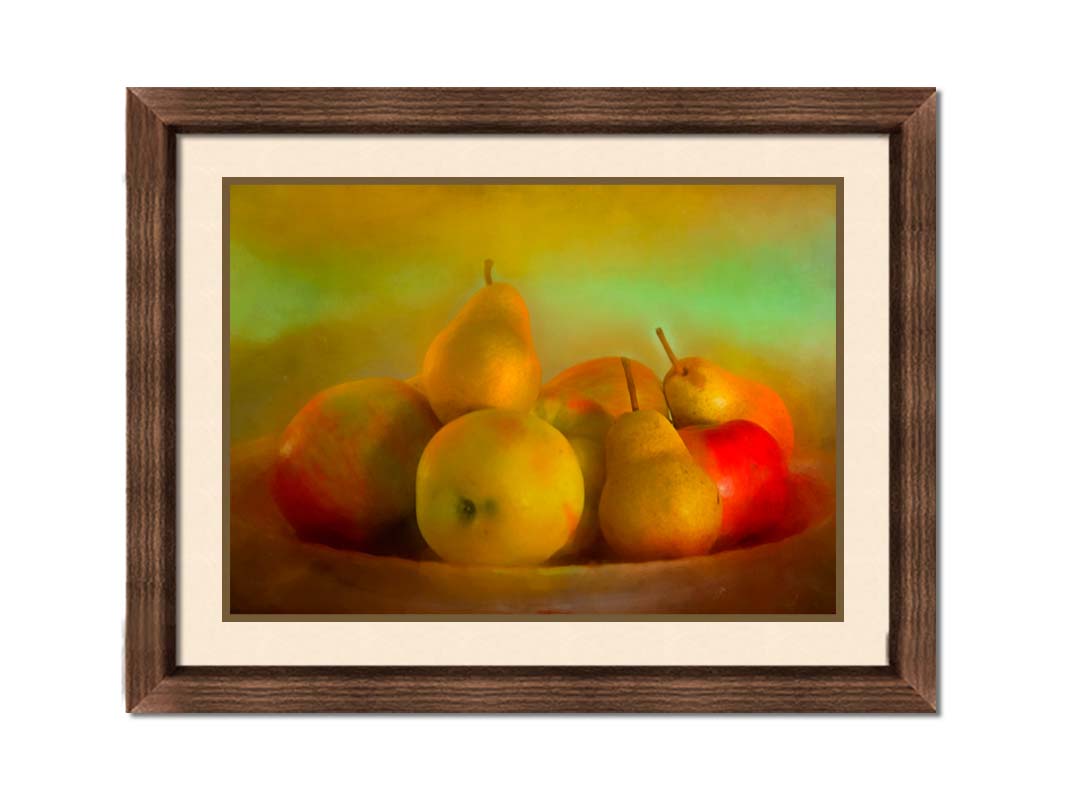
(498, 487)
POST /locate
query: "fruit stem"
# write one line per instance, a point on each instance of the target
(670, 353)
(488, 272)
(630, 383)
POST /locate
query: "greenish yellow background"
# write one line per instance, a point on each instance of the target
(330, 283)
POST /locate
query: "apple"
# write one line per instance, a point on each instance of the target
(747, 465)
(498, 487)
(345, 470)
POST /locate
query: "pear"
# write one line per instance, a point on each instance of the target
(484, 358)
(700, 392)
(582, 402)
(656, 502)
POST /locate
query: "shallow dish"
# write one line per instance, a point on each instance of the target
(273, 572)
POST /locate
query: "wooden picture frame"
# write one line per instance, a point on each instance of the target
(156, 683)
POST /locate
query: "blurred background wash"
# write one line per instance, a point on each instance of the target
(334, 283)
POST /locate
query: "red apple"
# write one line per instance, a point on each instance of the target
(747, 465)
(345, 470)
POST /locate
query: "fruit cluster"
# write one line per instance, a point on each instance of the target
(604, 460)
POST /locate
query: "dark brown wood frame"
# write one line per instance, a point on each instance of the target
(155, 682)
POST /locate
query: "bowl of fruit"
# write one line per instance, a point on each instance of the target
(473, 488)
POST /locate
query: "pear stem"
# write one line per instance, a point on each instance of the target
(630, 383)
(670, 353)
(488, 272)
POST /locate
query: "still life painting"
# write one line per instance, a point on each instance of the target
(532, 398)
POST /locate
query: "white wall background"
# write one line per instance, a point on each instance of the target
(1003, 444)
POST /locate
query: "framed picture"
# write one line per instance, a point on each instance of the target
(531, 400)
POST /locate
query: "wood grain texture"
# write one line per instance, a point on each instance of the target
(503, 110)
(532, 689)
(151, 401)
(913, 400)
(154, 683)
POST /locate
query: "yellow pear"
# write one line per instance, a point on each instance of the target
(498, 487)
(582, 402)
(656, 502)
(700, 392)
(484, 358)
